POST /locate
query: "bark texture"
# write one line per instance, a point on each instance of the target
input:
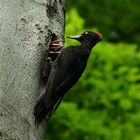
(24, 38)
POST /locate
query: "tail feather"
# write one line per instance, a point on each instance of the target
(41, 111)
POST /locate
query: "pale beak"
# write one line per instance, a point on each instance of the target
(75, 37)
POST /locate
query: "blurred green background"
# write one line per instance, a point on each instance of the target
(105, 103)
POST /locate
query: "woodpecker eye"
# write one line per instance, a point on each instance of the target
(86, 33)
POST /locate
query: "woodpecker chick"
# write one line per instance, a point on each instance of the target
(66, 70)
(55, 47)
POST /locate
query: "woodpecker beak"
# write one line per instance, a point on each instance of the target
(77, 37)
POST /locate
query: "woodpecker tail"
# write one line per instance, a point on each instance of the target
(42, 111)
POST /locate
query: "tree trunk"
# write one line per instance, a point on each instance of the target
(24, 38)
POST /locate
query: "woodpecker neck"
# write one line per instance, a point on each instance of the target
(88, 45)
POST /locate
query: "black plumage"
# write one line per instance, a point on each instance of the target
(66, 70)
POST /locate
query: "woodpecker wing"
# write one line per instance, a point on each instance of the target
(64, 74)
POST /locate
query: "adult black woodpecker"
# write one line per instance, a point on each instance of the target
(66, 70)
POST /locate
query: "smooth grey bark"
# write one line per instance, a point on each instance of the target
(24, 38)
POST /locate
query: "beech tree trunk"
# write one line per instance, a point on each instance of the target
(24, 39)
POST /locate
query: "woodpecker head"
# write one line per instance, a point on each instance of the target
(88, 37)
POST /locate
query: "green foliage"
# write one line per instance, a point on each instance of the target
(117, 20)
(72, 28)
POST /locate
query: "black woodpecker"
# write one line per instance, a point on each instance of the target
(65, 72)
